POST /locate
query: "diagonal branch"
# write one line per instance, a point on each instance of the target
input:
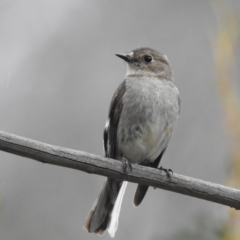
(91, 163)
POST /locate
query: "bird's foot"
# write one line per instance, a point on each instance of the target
(167, 171)
(127, 166)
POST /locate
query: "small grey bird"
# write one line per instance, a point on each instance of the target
(142, 116)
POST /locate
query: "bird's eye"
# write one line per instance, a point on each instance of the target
(147, 58)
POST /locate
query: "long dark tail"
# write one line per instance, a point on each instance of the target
(100, 216)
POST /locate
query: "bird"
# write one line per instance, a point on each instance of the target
(142, 116)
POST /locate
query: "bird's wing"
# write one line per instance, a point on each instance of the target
(142, 189)
(110, 131)
(110, 136)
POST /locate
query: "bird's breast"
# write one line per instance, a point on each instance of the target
(148, 117)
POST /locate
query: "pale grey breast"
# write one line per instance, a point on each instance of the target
(149, 114)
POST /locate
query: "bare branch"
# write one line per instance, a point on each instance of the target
(91, 163)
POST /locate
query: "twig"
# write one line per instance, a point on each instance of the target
(91, 163)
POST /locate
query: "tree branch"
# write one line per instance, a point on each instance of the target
(91, 163)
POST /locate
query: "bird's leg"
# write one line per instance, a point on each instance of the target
(127, 166)
(167, 171)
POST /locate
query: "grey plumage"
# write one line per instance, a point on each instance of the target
(142, 116)
(148, 117)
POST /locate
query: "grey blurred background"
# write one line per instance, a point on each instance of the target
(58, 74)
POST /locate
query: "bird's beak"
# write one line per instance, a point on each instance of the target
(125, 57)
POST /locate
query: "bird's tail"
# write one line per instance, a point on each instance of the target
(104, 214)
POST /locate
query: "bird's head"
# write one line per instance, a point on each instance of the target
(146, 61)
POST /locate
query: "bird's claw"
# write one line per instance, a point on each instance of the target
(127, 166)
(167, 171)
